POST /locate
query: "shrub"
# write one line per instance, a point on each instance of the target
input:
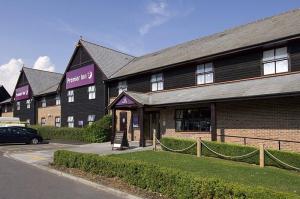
(170, 182)
(100, 131)
(233, 150)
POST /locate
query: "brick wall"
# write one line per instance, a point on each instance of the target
(49, 113)
(7, 114)
(277, 118)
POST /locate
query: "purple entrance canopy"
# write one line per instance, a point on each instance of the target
(124, 101)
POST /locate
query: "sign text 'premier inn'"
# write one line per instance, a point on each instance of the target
(80, 77)
(22, 93)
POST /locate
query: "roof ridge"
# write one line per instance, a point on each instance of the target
(115, 50)
(42, 70)
(221, 32)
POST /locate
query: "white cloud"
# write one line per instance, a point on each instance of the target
(44, 63)
(9, 73)
(160, 15)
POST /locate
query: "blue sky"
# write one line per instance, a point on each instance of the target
(42, 34)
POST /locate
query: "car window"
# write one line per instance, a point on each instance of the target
(2, 131)
(18, 131)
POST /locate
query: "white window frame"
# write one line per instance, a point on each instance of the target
(18, 105)
(91, 119)
(57, 100)
(273, 58)
(70, 96)
(122, 86)
(44, 102)
(43, 121)
(157, 82)
(205, 73)
(57, 122)
(28, 121)
(28, 102)
(92, 92)
(5, 108)
(71, 121)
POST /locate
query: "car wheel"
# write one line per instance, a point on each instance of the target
(34, 141)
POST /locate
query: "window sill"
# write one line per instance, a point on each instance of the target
(193, 132)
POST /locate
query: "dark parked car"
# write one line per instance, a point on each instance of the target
(30, 130)
(18, 135)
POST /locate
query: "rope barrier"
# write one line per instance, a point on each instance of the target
(231, 157)
(175, 150)
(281, 162)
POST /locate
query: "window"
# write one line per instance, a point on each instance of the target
(71, 122)
(28, 121)
(275, 61)
(122, 86)
(5, 108)
(92, 92)
(44, 102)
(205, 74)
(43, 121)
(57, 122)
(192, 119)
(157, 82)
(71, 96)
(57, 100)
(18, 106)
(91, 119)
(28, 103)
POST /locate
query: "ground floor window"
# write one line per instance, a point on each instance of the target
(28, 121)
(91, 119)
(43, 121)
(197, 119)
(57, 122)
(71, 122)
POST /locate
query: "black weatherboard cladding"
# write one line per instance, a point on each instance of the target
(24, 113)
(3, 94)
(247, 64)
(82, 106)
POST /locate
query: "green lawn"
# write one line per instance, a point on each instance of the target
(270, 177)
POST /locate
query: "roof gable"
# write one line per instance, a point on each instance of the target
(108, 60)
(42, 82)
(259, 32)
(4, 95)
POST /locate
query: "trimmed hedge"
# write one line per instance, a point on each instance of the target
(170, 182)
(233, 150)
(100, 131)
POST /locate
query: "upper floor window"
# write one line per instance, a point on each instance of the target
(92, 92)
(205, 73)
(18, 106)
(157, 82)
(28, 103)
(275, 61)
(57, 100)
(70, 121)
(44, 102)
(71, 96)
(122, 86)
(91, 119)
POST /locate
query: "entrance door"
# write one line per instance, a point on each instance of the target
(154, 125)
(123, 122)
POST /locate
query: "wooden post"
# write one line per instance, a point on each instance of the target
(113, 125)
(262, 155)
(213, 122)
(141, 124)
(154, 141)
(199, 147)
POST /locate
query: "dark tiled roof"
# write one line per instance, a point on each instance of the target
(265, 86)
(42, 82)
(107, 59)
(266, 30)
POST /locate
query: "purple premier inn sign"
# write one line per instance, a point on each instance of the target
(22, 93)
(80, 77)
(125, 101)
